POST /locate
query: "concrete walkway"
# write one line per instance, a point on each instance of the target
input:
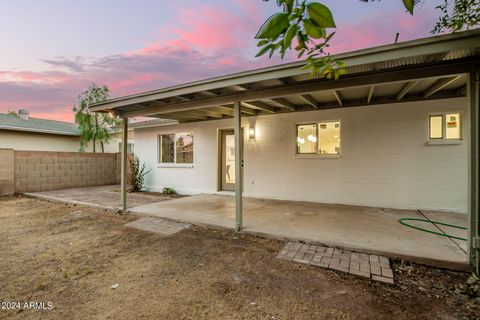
(365, 229)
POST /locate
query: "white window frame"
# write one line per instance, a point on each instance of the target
(443, 140)
(317, 154)
(174, 164)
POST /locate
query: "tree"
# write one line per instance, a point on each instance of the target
(94, 126)
(307, 25)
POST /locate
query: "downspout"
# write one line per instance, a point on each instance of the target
(473, 182)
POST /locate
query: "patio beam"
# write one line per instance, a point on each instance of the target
(371, 89)
(439, 85)
(406, 89)
(308, 86)
(124, 168)
(260, 105)
(285, 103)
(245, 110)
(238, 166)
(338, 97)
(310, 100)
(202, 113)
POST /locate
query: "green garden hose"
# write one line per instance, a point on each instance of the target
(402, 221)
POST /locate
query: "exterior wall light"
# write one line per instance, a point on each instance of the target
(251, 133)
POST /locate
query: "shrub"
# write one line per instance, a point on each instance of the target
(167, 190)
(137, 174)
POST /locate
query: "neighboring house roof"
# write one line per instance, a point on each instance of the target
(16, 123)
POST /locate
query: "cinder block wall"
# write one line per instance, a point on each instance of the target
(43, 170)
(6, 172)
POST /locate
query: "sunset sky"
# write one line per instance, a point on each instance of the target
(52, 50)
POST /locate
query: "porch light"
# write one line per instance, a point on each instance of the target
(300, 140)
(251, 133)
(312, 138)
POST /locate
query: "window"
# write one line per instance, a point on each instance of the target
(176, 148)
(129, 147)
(444, 127)
(452, 125)
(436, 127)
(319, 138)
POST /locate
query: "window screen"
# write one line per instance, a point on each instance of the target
(452, 125)
(306, 138)
(329, 137)
(167, 148)
(184, 147)
(436, 127)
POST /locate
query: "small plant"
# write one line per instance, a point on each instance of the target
(137, 174)
(168, 190)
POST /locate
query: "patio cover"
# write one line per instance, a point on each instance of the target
(432, 68)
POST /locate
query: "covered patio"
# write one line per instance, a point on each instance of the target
(364, 229)
(436, 68)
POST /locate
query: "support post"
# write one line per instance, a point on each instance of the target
(473, 181)
(237, 117)
(124, 164)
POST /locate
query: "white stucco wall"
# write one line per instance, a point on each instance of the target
(385, 161)
(19, 140)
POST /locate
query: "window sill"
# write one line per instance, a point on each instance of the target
(443, 142)
(175, 165)
(318, 156)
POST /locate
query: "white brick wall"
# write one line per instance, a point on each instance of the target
(384, 161)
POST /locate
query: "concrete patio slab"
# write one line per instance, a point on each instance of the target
(363, 229)
(450, 218)
(98, 196)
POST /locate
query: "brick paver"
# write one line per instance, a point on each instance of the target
(364, 265)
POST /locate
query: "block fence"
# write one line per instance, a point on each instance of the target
(32, 171)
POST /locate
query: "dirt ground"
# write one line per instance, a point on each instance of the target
(71, 255)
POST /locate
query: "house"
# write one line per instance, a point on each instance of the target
(398, 130)
(19, 131)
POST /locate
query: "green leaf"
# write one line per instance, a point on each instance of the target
(312, 30)
(263, 50)
(320, 15)
(291, 32)
(273, 27)
(409, 4)
(262, 43)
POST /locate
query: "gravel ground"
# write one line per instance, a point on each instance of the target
(69, 257)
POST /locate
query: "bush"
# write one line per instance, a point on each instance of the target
(137, 174)
(167, 190)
